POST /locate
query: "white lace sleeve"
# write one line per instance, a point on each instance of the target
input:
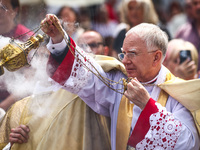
(80, 73)
(163, 133)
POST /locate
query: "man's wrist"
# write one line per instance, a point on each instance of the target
(57, 48)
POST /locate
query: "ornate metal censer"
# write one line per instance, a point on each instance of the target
(14, 55)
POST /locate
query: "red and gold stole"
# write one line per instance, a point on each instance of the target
(125, 115)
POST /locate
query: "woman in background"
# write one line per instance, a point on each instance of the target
(132, 13)
(70, 22)
(186, 70)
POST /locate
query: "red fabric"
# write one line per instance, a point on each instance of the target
(111, 13)
(19, 30)
(52, 66)
(63, 71)
(142, 126)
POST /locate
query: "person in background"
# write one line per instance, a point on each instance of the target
(177, 17)
(92, 41)
(137, 112)
(132, 13)
(70, 21)
(95, 42)
(188, 9)
(190, 31)
(111, 9)
(103, 24)
(10, 27)
(9, 21)
(186, 70)
(85, 18)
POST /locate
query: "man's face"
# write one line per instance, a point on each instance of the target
(196, 8)
(139, 64)
(68, 15)
(7, 15)
(93, 40)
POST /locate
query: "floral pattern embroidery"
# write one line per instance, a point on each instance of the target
(163, 133)
(80, 74)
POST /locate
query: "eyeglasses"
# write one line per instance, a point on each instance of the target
(91, 45)
(3, 8)
(95, 45)
(130, 55)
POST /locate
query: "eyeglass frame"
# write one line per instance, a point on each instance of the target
(91, 45)
(3, 7)
(95, 45)
(131, 53)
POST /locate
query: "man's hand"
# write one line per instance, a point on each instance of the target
(51, 26)
(19, 134)
(137, 93)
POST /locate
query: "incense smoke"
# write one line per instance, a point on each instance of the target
(21, 83)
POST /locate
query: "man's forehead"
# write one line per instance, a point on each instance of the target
(133, 37)
(133, 42)
(92, 36)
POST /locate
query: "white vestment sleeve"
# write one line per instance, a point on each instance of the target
(85, 81)
(58, 48)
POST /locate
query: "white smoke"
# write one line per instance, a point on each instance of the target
(21, 83)
(32, 81)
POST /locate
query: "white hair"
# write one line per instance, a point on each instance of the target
(152, 35)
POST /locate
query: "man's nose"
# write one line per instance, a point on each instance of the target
(126, 59)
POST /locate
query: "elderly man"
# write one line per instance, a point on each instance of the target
(153, 118)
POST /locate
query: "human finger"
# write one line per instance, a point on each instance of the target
(21, 132)
(191, 67)
(13, 140)
(186, 61)
(47, 23)
(17, 138)
(25, 128)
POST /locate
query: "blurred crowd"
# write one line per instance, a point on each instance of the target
(101, 29)
(111, 20)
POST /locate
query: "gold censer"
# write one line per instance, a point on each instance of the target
(14, 55)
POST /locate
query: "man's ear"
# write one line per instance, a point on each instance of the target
(15, 13)
(106, 50)
(157, 58)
